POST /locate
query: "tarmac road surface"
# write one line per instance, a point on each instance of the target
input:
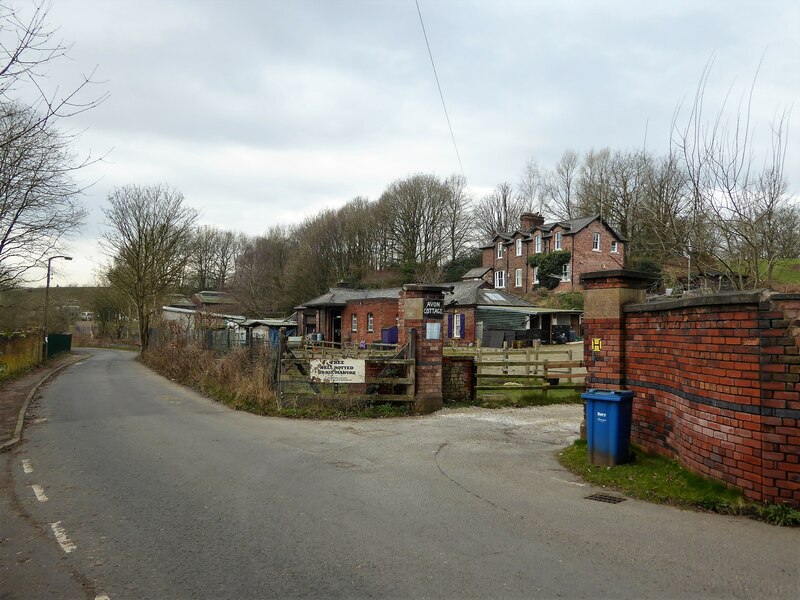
(130, 486)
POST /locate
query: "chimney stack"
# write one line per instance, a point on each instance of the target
(530, 220)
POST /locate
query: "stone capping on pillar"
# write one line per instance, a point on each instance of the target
(632, 279)
(719, 299)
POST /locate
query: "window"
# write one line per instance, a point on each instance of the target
(614, 248)
(535, 275)
(519, 247)
(558, 240)
(370, 322)
(518, 278)
(457, 325)
(354, 322)
(499, 279)
(596, 241)
(537, 241)
(565, 272)
(499, 249)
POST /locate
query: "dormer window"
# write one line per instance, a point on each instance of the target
(537, 244)
(519, 247)
(499, 250)
(558, 240)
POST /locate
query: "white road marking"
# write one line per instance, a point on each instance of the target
(27, 466)
(39, 491)
(102, 598)
(61, 537)
(569, 482)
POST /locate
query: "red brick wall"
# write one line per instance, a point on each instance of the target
(428, 393)
(384, 312)
(457, 378)
(716, 382)
(468, 314)
(585, 260)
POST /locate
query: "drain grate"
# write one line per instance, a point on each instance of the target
(605, 498)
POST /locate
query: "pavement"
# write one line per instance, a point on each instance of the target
(16, 394)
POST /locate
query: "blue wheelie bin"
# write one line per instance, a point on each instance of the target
(608, 425)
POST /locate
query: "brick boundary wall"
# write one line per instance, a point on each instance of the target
(457, 378)
(716, 379)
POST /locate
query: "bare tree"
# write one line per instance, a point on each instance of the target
(413, 209)
(201, 263)
(39, 204)
(38, 199)
(499, 212)
(23, 64)
(230, 246)
(148, 241)
(261, 284)
(662, 229)
(531, 187)
(457, 218)
(559, 186)
(742, 200)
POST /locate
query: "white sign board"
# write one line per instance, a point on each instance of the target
(339, 370)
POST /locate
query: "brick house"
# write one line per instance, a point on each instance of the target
(593, 244)
(472, 309)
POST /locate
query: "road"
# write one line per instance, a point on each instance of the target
(153, 491)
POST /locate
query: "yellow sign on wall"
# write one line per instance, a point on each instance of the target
(597, 344)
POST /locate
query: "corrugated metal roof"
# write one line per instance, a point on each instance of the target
(268, 323)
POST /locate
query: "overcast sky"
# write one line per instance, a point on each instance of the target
(265, 112)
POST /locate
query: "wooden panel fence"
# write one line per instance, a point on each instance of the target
(528, 369)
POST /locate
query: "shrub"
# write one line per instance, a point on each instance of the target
(550, 265)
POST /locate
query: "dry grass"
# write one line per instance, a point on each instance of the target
(241, 379)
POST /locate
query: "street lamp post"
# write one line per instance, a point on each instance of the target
(47, 300)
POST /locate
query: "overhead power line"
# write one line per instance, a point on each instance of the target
(438, 85)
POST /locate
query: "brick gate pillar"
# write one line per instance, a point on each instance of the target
(421, 308)
(605, 293)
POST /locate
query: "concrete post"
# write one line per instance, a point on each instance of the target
(421, 308)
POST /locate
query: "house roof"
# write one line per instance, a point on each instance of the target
(214, 297)
(476, 273)
(477, 293)
(570, 226)
(473, 292)
(341, 296)
(179, 301)
(192, 311)
(268, 323)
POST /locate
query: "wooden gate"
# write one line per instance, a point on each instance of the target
(388, 374)
(528, 369)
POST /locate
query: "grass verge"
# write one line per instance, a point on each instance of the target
(519, 398)
(658, 479)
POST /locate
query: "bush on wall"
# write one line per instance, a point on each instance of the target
(550, 266)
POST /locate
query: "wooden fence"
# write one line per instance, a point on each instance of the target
(389, 373)
(534, 369)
